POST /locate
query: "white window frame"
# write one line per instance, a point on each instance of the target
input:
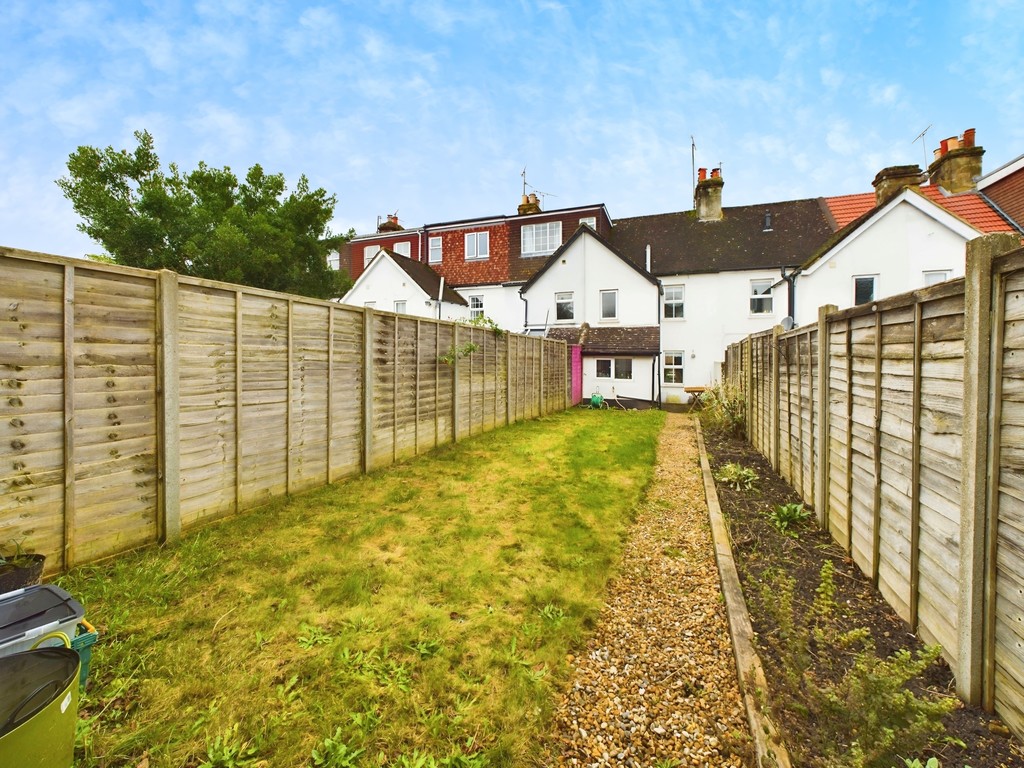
(400, 307)
(615, 296)
(673, 362)
(565, 297)
(476, 307)
(540, 239)
(434, 254)
(478, 246)
(369, 251)
(759, 299)
(680, 303)
(404, 248)
(936, 276)
(874, 288)
(590, 221)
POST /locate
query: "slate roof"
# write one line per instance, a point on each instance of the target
(681, 244)
(426, 278)
(612, 340)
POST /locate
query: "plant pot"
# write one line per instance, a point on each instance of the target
(21, 571)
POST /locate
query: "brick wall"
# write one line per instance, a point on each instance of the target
(524, 268)
(457, 271)
(354, 261)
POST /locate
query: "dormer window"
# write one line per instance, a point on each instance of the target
(541, 239)
(478, 246)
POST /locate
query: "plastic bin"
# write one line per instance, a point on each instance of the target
(83, 642)
(37, 616)
(39, 708)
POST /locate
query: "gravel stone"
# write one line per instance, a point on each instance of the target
(658, 679)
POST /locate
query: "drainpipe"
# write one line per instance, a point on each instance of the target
(440, 297)
(526, 310)
(791, 280)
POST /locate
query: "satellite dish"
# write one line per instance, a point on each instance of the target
(787, 323)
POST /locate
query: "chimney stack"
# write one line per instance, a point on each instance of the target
(391, 224)
(707, 197)
(530, 204)
(957, 164)
(890, 181)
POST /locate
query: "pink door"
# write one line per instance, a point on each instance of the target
(577, 374)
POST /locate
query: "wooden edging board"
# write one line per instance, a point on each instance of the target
(771, 752)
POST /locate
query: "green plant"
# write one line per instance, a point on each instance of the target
(457, 353)
(482, 321)
(312, 636)
(229, 750)
(933, 762)
(854, 697)
(723, 409)
(738, 477)
(333, 752)
(784, 516)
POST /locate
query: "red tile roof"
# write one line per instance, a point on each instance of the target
(969, 206)
(846, 208)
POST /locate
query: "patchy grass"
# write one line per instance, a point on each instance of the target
(417, 616)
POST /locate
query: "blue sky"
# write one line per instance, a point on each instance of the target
(432, 108)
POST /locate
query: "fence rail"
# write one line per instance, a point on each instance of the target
(902, 423)
(137, 404)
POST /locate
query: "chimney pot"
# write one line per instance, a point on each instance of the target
(702, 174)
(968, 138)
(716, 173)
(958, 164)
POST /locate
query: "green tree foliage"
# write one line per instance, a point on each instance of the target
(205, 223)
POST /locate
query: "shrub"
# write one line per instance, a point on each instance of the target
(723, 409)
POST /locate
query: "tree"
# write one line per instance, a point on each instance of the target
(205, 223)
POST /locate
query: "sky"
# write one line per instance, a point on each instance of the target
(431, 109)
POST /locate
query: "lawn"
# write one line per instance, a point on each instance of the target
(418, 616)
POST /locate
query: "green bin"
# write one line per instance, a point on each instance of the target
(39, 708)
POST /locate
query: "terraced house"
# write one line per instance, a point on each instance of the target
(649, 303)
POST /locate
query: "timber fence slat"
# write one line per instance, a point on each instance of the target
(135, 405)
(908, 416)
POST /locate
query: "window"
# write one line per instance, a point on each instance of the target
(673, 301)
(368, 253)
(864, 289)
(622, 367)
(609, 305)
(476, 307)
(541, 239)
(563, 306)
(477, 245)
(590, 221)
(403, 248)
(334, 260)
(604, 369)
(761, 297)
(673, 368)
(400, 307)
(936, 276)
(435, 250)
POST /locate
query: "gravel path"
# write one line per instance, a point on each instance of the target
(657, 682)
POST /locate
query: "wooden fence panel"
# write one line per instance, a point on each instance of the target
(32, 328)
(346, 382)
(840, 378)
(382, 391)
(310, 390)
(207, 365)
(1006, 645)
(115, 413)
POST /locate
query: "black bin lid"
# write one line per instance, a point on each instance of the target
(34, 607)
(30, 681)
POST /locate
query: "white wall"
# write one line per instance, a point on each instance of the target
(501, 304)
(384, 283)
(639, 387)
(716, 314)
(586, 269)
(898, 246)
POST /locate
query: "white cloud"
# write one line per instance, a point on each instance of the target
(831, 78)
(885, 95)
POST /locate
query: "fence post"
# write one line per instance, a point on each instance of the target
(975, 463)
(455, 383)
(823, 423)
(747, 349)
(367, 390)
(169, 499)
